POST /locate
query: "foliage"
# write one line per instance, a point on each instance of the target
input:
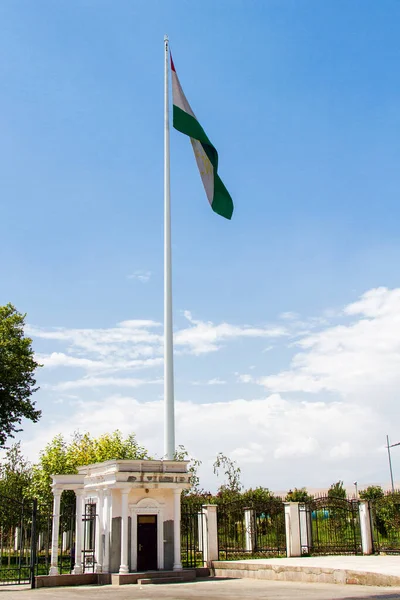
(258, 496)
(62, 458)
(15, 480)
(15, 473)
(337, 490)
(17, 369)
(193, 468)
(372, 492)
(298, 495)
(233, 485)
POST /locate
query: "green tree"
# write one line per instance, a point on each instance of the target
(15, 474)
(258, 495)
(193, 468)
(233, 485)
(337, 490)
(372, 492)
(17, 369)
(60, 457)
(15, 481)
(298, 495)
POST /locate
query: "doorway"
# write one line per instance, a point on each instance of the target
(147, 543)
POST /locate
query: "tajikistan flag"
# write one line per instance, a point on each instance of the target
(206, 155)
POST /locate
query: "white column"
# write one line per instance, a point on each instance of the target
(107, 530)
(54, 534)
(78, 531)
(98, 550)
(16, 539)
(305, 528)
(124, 533)
(169, 424)
(366, 531)
(249, 529)
(210, 534)
(292, 524)
(177, 530)
(200, 518)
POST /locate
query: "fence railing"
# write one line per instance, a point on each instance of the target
(251, 530)
(193, 536)
(385, 523)
(330, 526)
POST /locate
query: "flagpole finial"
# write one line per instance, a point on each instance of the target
(166, 38)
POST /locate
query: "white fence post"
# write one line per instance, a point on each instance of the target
(305, 528)
(210, 534)
(249, 527)
(366, 530)
(292, 525)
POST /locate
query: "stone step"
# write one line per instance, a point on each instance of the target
(153, 576)
(156, 580)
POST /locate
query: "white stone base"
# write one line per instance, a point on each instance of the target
(123, 570)
(77, 570)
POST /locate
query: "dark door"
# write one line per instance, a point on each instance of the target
(147, 543)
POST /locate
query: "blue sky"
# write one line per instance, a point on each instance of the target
(301, 100)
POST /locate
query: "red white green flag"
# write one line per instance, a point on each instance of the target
(206, 155)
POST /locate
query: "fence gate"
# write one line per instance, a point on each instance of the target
(385, 523)
(335, 526)
(89, 536)
(251, 530)
(17, 540)
(193, 536)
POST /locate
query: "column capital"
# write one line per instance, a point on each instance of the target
(57, 492)
(177, 491)
(125, 491)
(79, 492)
(212, 507)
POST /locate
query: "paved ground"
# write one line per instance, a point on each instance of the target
(387, 565)
(237, 589)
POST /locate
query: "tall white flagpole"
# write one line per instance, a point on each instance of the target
(169, 418)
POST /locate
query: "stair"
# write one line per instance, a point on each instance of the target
(154, 577)
(156, 580)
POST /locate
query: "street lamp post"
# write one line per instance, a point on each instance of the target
(388, 446)
(356, 486)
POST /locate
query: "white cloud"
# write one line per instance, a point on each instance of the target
(342, 450)
(59, 359)
(216, 381)
(350, 359)
(279, 443)
(134, 344)
(289, 316)
(297, 447)
(93, 382)
(142, 276)
(203, 337)
(324, 417)
(245, 378)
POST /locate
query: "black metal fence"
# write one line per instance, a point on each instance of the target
(193, 535)
(89, 536)
(330, 526)
(255, 530)
(25, 540)
(385, 523)
(17, 540)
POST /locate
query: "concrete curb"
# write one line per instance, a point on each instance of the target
(308, 574)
